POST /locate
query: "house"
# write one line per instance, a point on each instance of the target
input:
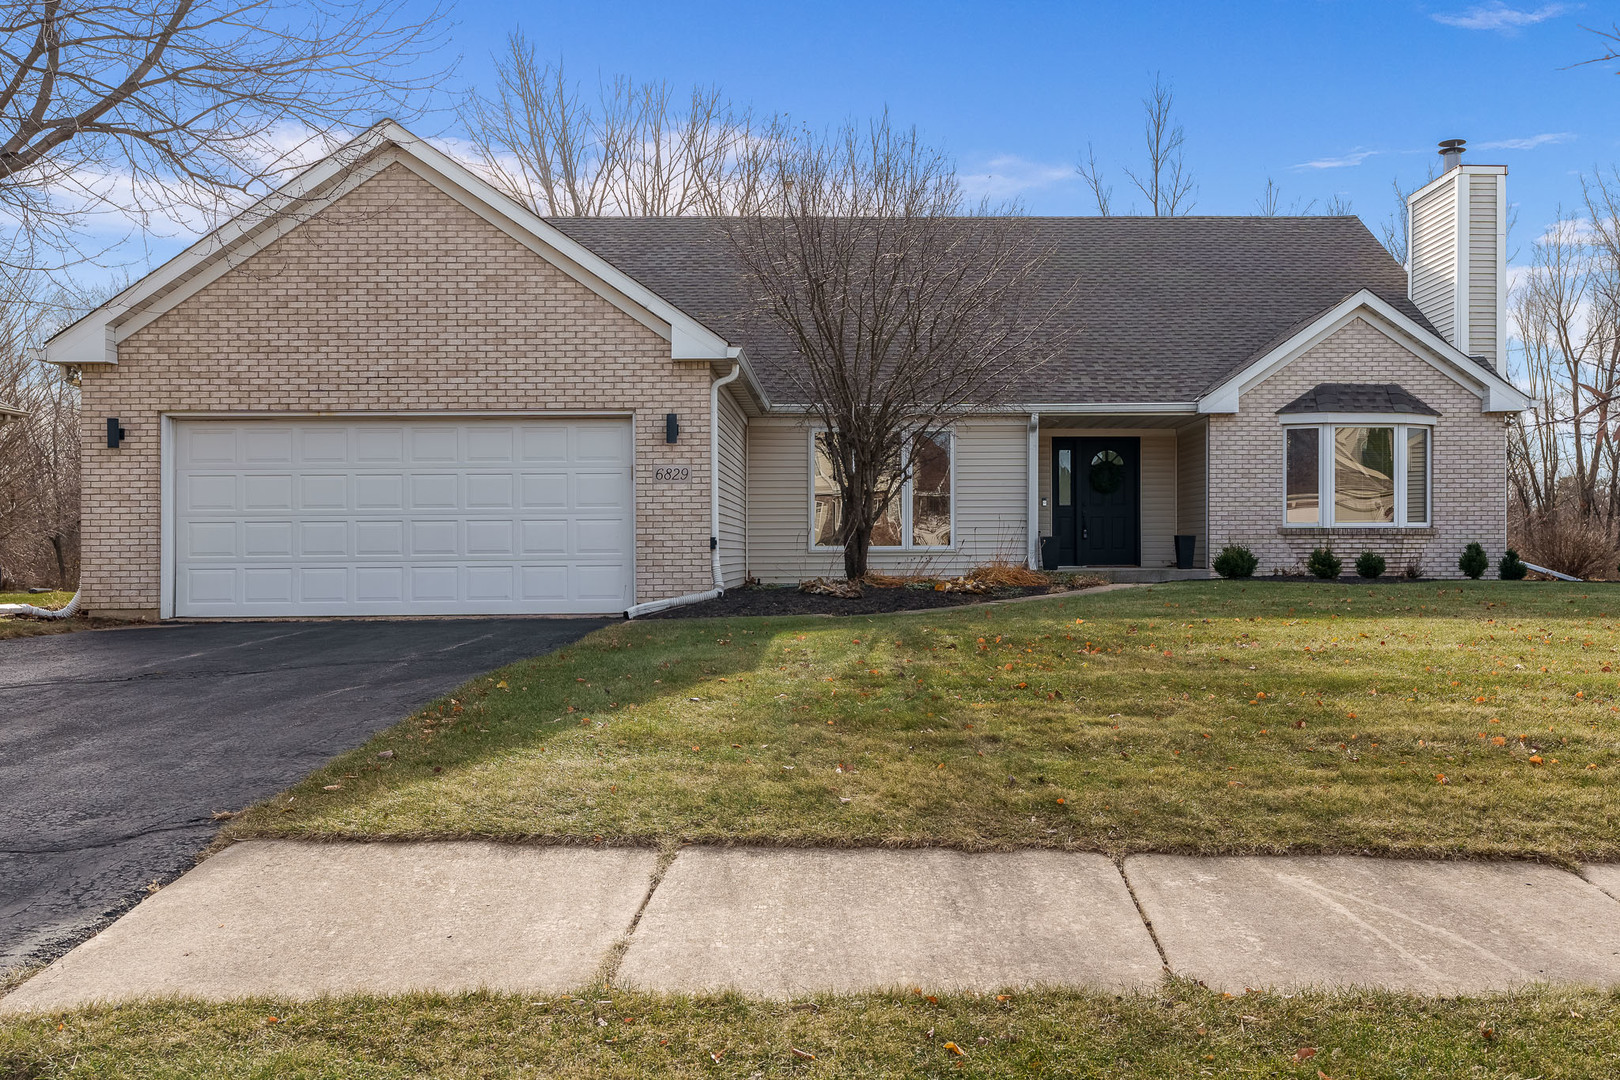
(389, 389)
(10, 412)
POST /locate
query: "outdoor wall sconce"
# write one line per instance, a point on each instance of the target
(672, 427)
(115, 434)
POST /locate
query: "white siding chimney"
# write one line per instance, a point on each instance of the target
(1456, 262)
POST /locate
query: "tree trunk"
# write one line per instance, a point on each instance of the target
(856, 546)
(61, 559)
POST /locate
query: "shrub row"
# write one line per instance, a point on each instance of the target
(1237, 561)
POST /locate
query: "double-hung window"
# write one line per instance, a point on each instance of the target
(1357, 474)
(921, 516)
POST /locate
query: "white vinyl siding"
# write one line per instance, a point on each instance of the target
(733, 490)
(1483, 269)
(1433, 254)
(402, 517)
(1158, 502)
(989, 502)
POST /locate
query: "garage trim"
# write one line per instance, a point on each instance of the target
(168, 548)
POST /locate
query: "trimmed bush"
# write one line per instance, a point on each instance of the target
(1235, 561)
(1323, 563)
(1370, 564)
(1474, 561)
(1512, 568)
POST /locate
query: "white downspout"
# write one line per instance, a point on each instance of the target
(714, 471)
(1033, 525)
(67, 611)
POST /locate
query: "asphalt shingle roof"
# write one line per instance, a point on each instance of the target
(1164, 308)
(1358, 398)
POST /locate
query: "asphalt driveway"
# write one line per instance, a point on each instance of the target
(117, 747)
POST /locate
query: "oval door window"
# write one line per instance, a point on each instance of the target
(1107, 472)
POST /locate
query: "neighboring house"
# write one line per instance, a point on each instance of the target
(10, 412)
(389, 389)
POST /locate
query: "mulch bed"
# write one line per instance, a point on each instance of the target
(788, 600)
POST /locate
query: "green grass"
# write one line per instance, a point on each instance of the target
(1413, 719)
(1182, 1031)
(11, 627)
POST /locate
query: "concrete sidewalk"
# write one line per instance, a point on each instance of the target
(300, 920)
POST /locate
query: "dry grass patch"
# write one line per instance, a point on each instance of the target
(1179, 1032)
(1476, 719)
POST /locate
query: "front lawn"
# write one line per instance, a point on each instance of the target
(1208, 717)
(1182, 1031)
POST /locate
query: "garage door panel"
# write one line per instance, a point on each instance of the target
(490, 538)
(267, 491)
(267, 585)
(434, 444)
(267, 539)
(379, 539)
(435, 491)
(210, 540)
(267, 446)
(490, 491)
(210, 492)
(379, 491)
(338, 517)
(323, 584)
(324, 444)
(323, 539)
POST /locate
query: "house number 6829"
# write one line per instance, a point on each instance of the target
(677, 474)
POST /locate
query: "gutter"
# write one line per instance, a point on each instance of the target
(636, 611)
(714, 471)
(1032, 525)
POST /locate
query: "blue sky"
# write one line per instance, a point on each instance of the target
(1322, 96)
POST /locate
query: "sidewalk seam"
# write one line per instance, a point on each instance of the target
(615, 956)
(1141, 912)
(1581, 873)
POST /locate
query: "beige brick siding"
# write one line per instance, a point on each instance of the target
(395, 299)
(1469, 456)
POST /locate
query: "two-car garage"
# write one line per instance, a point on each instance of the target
(401, 516)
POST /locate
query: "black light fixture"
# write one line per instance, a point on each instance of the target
(115, 434)
(672, 427)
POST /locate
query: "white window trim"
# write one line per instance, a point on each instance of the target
(1327, 424)
(905, 497)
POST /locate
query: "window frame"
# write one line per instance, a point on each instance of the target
(905, 496)
(1327, 442)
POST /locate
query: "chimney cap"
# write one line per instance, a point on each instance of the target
(1451, 152)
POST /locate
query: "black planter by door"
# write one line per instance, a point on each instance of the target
(1097, 500)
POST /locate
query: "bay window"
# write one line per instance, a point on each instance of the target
(1361, 474)
(919, 517)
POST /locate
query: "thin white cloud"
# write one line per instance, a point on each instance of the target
(1343, 161)
(1551, 138)
(1008, 176)
(1498, 16)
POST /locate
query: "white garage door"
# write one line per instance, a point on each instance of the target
(396, 517)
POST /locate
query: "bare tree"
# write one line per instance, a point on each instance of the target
(1393, 230)
(1164, 181)
(39, 452)
(1610, 39)
(905, 312)
(635, 149)
(163, 107)
(1091, 172)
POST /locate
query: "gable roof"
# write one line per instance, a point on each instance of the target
(1358, 398)
(93, 339)
(1163, 309)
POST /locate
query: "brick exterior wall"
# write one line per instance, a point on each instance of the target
(1469, 464)
(396, 298)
